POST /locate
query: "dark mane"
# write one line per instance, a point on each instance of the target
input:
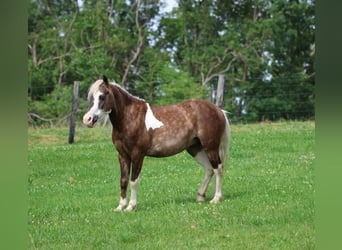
(125, 93)
(96, 86)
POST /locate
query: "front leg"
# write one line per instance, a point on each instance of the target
(133, 201)
(137, 161)
(125, 165)
(122, 204)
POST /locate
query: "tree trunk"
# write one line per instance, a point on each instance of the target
(138, 49)
(220, 91)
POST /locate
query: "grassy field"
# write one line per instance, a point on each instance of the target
(268, 189)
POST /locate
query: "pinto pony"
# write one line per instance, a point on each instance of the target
(141, 129)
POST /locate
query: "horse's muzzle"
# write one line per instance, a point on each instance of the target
(89, 120)
(95, 119)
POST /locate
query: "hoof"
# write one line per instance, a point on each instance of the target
(119, 208)
(215, 200)
(200, 198)
(130, 208)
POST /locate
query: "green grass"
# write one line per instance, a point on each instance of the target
(268, 194)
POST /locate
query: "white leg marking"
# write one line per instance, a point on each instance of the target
(150, 120)
(202, 158)
(122, 204)
(133, 202)
(218, 184)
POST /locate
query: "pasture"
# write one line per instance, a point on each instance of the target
(268, 189)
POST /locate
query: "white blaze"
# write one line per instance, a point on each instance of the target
(150, 120)
(94, 110)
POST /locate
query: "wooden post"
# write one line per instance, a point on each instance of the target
(220, 91)
(73, 112)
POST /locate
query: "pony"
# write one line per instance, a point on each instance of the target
(141, 129)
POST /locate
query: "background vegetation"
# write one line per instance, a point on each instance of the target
(264, 50)
(268, 189)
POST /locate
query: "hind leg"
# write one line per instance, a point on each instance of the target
(214, 159)
(210, 160)
(202, 158)
(218, 184)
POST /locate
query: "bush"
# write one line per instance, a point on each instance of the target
(55, 108)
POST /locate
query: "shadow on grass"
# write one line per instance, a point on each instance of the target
(186, 200)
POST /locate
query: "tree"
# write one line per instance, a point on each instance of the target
(289, 91)
(69, 42)
(249, 43)
(261, 49)
(208, 43)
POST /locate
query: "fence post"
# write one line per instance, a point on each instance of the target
(73, 112)
(220, 91)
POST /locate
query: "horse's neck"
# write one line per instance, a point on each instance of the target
(122, 102)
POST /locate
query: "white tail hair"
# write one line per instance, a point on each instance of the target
(225, 141)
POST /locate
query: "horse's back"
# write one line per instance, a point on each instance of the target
(184, 124)
(192, 114)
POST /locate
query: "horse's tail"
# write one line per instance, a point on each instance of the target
(225, 141)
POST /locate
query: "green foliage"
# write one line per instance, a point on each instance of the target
(177, 86)
(268, 188)
(262, 48)
(54, 106)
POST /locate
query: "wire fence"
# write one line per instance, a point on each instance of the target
(287, 103)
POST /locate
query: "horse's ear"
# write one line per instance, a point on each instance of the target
(105, 79)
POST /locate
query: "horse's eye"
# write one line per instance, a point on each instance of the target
(102, 97)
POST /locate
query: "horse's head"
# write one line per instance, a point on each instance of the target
(100, 100)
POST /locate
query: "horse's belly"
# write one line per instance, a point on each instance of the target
(169, 145)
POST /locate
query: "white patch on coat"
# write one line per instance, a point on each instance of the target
(150, 120)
